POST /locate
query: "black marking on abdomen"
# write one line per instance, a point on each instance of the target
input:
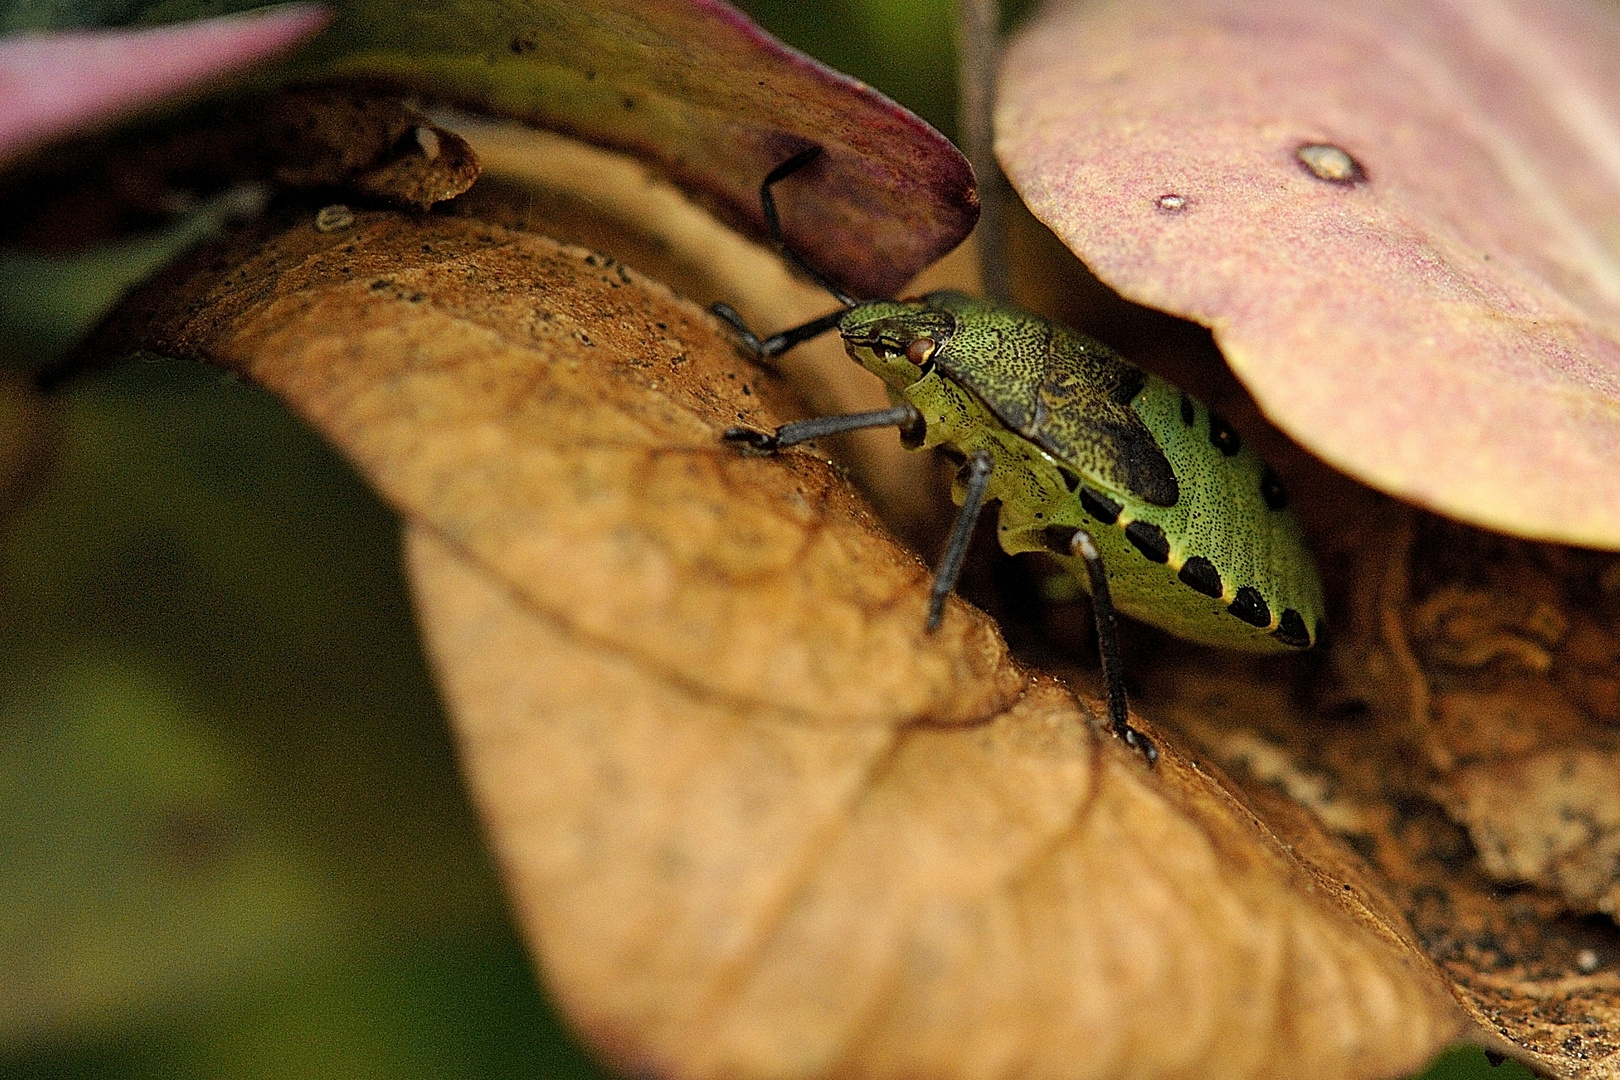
(1222, 436)
(1070, 480)
(1199, 574)
(1271, 490)
(1251, 607)
(1149, 539)
(1291, 630)
(1060, 538)
(1188, 414)
(1099, 506)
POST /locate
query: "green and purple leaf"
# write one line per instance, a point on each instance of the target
(1440, 316)
(702, 92)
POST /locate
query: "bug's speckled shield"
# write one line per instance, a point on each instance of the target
(1068, 394)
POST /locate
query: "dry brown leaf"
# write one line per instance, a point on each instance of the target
(755, 820)
(607, 201)
(1478, 794)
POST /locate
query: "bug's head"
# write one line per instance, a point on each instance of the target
(896, 339)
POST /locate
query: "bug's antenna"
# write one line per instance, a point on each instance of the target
(767, 203)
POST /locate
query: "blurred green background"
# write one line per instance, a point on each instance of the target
(233, 841)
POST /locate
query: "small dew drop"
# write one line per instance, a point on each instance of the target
(1172, 202)
(1587, 960)
(334, 218)
(1331, 163)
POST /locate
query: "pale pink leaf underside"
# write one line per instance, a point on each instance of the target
(1446, 328)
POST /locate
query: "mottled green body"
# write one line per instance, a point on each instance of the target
(1202, 543)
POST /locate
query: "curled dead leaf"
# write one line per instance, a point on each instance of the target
(755, 820)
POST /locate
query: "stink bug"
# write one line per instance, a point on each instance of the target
(1151, 500)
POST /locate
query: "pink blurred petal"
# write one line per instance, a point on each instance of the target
(53, 84)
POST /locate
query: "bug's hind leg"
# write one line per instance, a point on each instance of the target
(1102, 606)
(905, 417)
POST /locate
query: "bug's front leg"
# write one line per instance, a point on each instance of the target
(905, 417)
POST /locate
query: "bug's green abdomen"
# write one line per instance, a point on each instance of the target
(1228, 564)
(1192, 525)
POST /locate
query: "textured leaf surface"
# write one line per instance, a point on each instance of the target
(1444, 321)
(52, 84)
(754, 819)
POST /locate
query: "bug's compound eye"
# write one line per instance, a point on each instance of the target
(921, 350)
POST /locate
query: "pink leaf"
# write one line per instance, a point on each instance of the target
(52, 84)
(1443, 319)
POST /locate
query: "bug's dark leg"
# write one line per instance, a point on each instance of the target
(905, 417)
(1102, 606)
(776, 344)
(773, 223)
(950, 566)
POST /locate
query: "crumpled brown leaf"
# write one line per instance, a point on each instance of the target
(755, 820)
(1437, 313)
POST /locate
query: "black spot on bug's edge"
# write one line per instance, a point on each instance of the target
(1222, 436)
(1332, 163)
(1189, 415)
(1251, 607)
(1291, 630)
(1099, 506)
(1070, 480)
(1199, 574)
(1271, 490)
(1059, 538)
(1149, 539)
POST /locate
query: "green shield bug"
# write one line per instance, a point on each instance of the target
(1151, 500)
